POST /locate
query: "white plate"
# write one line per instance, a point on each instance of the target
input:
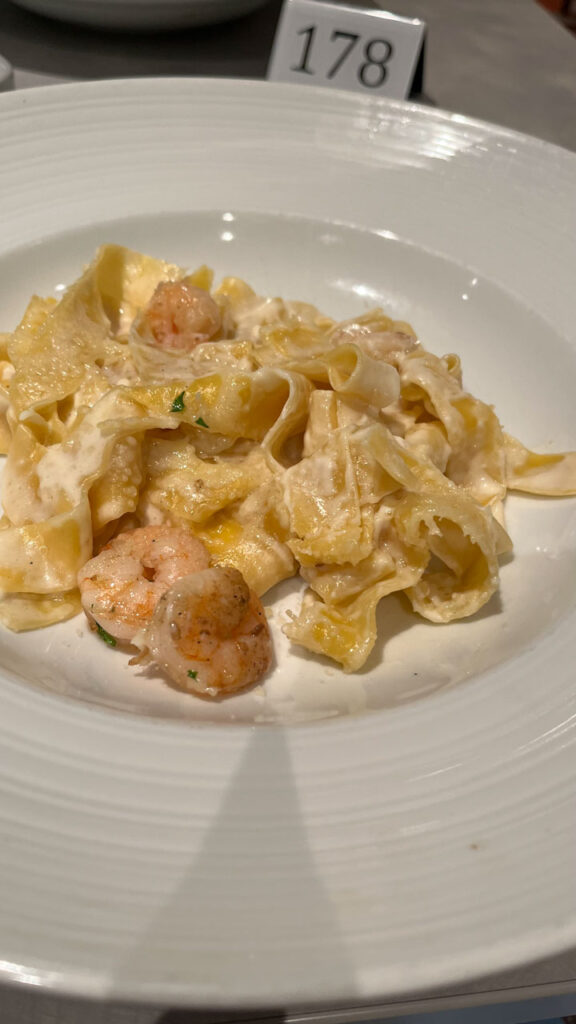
(421, 832)
(142, 15)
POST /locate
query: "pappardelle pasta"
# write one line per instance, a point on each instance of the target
(252, 439)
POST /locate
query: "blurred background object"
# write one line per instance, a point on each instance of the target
(565, 9)
(6, 75)
(141, 15)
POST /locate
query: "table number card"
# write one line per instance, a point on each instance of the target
(341, 47)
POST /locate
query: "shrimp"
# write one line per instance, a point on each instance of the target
(181, 316)
(121, 586)
(209, 633)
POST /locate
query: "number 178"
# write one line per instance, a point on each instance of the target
(376, 53)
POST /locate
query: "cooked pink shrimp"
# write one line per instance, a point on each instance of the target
(181, 316)
(209, 633)
(121, 586)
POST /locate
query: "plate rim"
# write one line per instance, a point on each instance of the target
(426, 111)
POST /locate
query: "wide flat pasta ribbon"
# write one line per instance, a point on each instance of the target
(430, 539)
(190, 489)
(252, 537)
(535, 473)
(328, 522)
(462, 570)
(353, 375)
(44, 557)
(22, 612)
(476, 460)
(346, 632)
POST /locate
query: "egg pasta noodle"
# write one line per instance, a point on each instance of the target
(287, 442)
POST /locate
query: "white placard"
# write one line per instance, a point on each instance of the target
(342, 47)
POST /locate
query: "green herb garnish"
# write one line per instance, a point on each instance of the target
(105, 636)
(193, 675)
(178, 403)
(201, 422)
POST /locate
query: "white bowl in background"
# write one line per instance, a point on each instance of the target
(142, 15)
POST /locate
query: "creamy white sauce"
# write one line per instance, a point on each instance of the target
(64, 468)
(252, 316)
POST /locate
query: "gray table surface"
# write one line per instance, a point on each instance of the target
(506, 61)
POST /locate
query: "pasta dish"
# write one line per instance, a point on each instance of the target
(175, 449)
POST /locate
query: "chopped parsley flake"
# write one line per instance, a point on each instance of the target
(105, 636)
(178, 403)
(193, 675)
(201, 422)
